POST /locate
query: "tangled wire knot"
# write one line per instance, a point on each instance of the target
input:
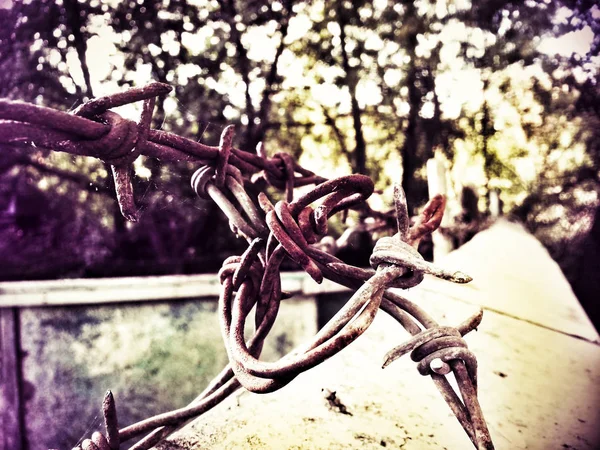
(289, 229)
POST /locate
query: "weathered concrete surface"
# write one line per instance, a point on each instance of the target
(539, 385)
(513, 274)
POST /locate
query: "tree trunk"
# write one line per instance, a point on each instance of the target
(243, 63)
(586, 285)
(76, 23)
(486, 132)
(359, 163)
(410, 162)
(270, 80)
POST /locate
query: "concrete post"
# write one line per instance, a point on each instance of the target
(436, 182)
(495, 204)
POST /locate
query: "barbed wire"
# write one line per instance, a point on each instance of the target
(289, 229)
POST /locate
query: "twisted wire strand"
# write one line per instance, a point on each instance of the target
(288, 229)
(93, 130)
(389, 252)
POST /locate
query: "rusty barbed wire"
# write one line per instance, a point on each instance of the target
(289, 229)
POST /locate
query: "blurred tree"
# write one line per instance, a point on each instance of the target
(47, 200)
(546, 155)
(204, 50)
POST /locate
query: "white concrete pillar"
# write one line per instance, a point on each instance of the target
(495, 205)
(436, 183)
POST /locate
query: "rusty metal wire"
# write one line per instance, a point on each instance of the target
(288, 229)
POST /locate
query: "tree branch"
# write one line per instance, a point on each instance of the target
(243, 61)
(338, 134)
(265, 103)
(81, 180)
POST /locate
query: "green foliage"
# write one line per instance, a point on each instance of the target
(91, 349)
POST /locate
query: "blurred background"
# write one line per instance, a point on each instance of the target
(502, 94)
